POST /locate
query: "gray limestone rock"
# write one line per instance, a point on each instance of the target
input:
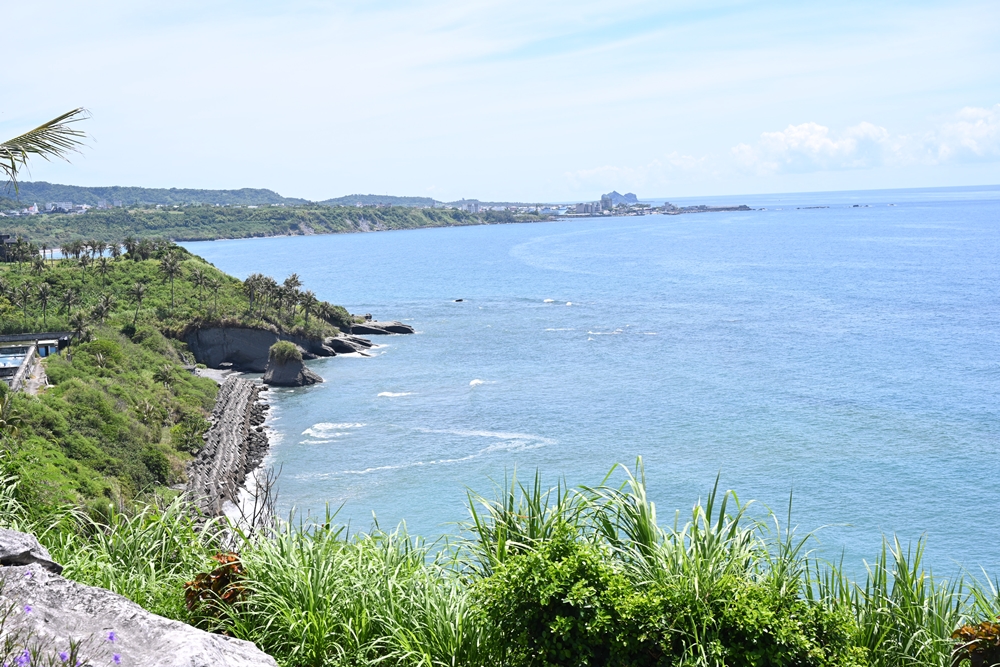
(57, 610)
(290, 373)
(381, 328)
(23, 549)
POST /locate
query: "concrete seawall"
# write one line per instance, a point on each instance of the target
(234, 447)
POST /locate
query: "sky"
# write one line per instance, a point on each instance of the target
(512, 101)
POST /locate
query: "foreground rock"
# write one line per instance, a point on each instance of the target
(64, 611)
(56, 611)
(23, 549)
(373, 328)
(234, 446)
(285, 367)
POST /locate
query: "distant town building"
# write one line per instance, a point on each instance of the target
(589, 208)
(471, 207)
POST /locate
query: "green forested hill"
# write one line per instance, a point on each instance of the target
(41, 192)
(196, 223)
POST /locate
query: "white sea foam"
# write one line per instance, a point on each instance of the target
(477, 382)
(549, 301)
(509, 442)
(569, 303)
(328, 430)
(395, 394)
(616, 332)
(560, 329)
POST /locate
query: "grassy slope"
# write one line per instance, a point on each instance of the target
(210, 222)
(124, 414)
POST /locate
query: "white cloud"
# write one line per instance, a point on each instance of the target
(970, 135)
(973, 135)
(811, 147)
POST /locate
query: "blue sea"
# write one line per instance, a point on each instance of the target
(846, 356)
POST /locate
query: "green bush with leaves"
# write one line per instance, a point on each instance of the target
(283, 352)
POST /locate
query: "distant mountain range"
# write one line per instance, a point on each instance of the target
(375, 200)
(41, 192)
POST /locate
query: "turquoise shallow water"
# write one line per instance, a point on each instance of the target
(850, 354)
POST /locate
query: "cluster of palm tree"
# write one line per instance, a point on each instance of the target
(269, 297)
(87, 254)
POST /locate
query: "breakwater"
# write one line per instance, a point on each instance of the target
(234, 446)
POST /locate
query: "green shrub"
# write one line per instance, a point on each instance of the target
(283, 352)
(568, 604)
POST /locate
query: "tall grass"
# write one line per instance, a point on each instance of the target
(314, 594)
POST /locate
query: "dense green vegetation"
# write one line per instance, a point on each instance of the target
(41, 192)
(378, 200)
(153, 282)
(125, 412)
(193, 223)
(574, 577)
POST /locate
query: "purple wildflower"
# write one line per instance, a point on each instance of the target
(63, 656)
(23, 660)
(28, 574)
(27, 609)
(117, 658)
(112, 637)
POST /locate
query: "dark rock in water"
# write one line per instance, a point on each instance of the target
(58, 611)
(289, 373)
(381, 328)
(347, 344)
(459, 300)
(23, 549)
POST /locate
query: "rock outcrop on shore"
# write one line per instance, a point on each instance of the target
(348, 344)
(246, 349)
(289, 373)
(234, 446)
(373, 328)
(54, 611)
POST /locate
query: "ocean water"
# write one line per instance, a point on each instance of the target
(847, 355)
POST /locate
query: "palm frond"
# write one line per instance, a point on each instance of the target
(56, 138)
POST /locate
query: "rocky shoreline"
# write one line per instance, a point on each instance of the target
(234, 447)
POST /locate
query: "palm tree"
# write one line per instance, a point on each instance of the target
(308, 301)
(116, 251)
(137, 292)
(170, 266)
(104, 268)
(104, 307)
(130, 246)
(24, 298)
(99, 246)
(214, 284)
(198, 280)
(37, 266)
(251, 287)
(69, 299)
(44, 294)
(56, 138)
(79, 324)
